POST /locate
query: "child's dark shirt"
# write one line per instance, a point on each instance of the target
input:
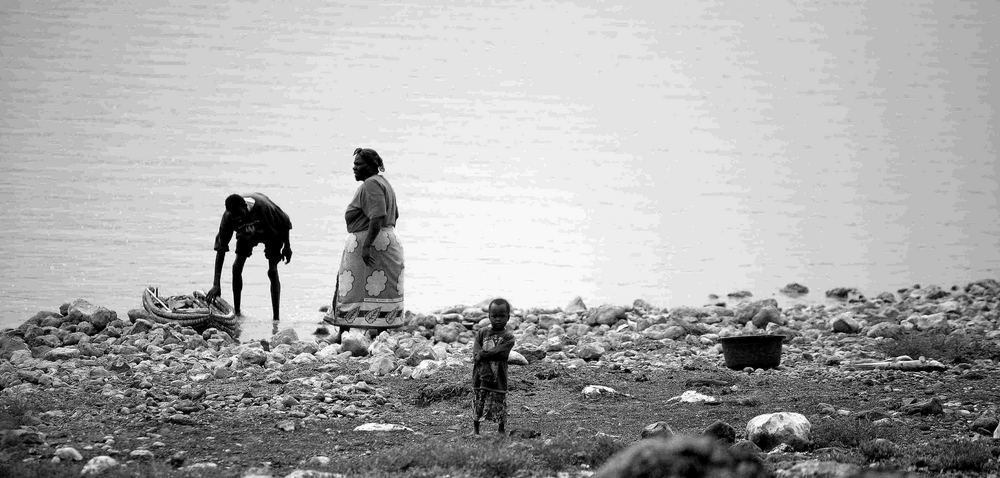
(490, 351)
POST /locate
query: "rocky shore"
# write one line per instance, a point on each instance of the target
(160, 374)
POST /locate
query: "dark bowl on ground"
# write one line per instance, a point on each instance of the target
(757, 351)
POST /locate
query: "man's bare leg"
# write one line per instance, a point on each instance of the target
(272, 275)
(238, 282)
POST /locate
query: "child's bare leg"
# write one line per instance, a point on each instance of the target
(475, 426)
(503, 426)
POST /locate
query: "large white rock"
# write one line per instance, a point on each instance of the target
(382, 365)
(328, 352)
(68, 453)
(691, 396)
(313, 474)
(516, 359)
(772, 429)
(98, 465)
(597, 390)
(382, 427)
(425, 369)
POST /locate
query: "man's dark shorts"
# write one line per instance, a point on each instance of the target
(272, 249)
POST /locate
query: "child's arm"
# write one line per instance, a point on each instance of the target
(501, 351)
(477, 346)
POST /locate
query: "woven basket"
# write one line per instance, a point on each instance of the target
(757, 351)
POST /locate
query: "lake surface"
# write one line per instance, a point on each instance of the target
(539, 150)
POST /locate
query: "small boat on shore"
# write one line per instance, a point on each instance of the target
(192, 310)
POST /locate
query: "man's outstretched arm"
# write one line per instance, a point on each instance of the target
(216, 290)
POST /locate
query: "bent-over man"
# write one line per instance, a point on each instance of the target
(255, 219)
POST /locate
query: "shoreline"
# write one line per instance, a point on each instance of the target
(172, 387)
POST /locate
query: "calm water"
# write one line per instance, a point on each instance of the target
(540, 150)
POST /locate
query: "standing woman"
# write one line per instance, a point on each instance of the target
(369, 291)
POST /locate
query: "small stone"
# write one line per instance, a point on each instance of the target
(318, 461)
(575, 306)
(722, 432)
(142, 454)
(181, 419)
(286, 425)
(286, 336)
(985, 425)
(590, 351)
(515, 358)
(657, 429)
(794, 289)
(68, 453)
(928, 407)
(845, 324)
(98, 465)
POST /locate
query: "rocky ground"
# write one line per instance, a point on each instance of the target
(87, 392)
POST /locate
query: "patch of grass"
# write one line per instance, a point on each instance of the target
(481, 457)
(17, 410)
(958, 456)
(848, 432)
(431, 393)
(47, 469)
(565, 451)
(877, 450)
(941, 346)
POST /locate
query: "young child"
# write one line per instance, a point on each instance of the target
(489, 370)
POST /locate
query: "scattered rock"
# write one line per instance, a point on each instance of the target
(382, 365)
(312, 474)
(794, 290)
(286, 336)
(657, 429)
(598, 390)
(590, 351)
(98, 465)
(605, 314)
(849, 294)
(515, 358)
(575, 306)
(769, 430)
(141, 455)
(381, 427)
(253, 356)
(721, 431)
(356, 342)
(845, 324)
(68, 453)
(927, 407)
(691, 396)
